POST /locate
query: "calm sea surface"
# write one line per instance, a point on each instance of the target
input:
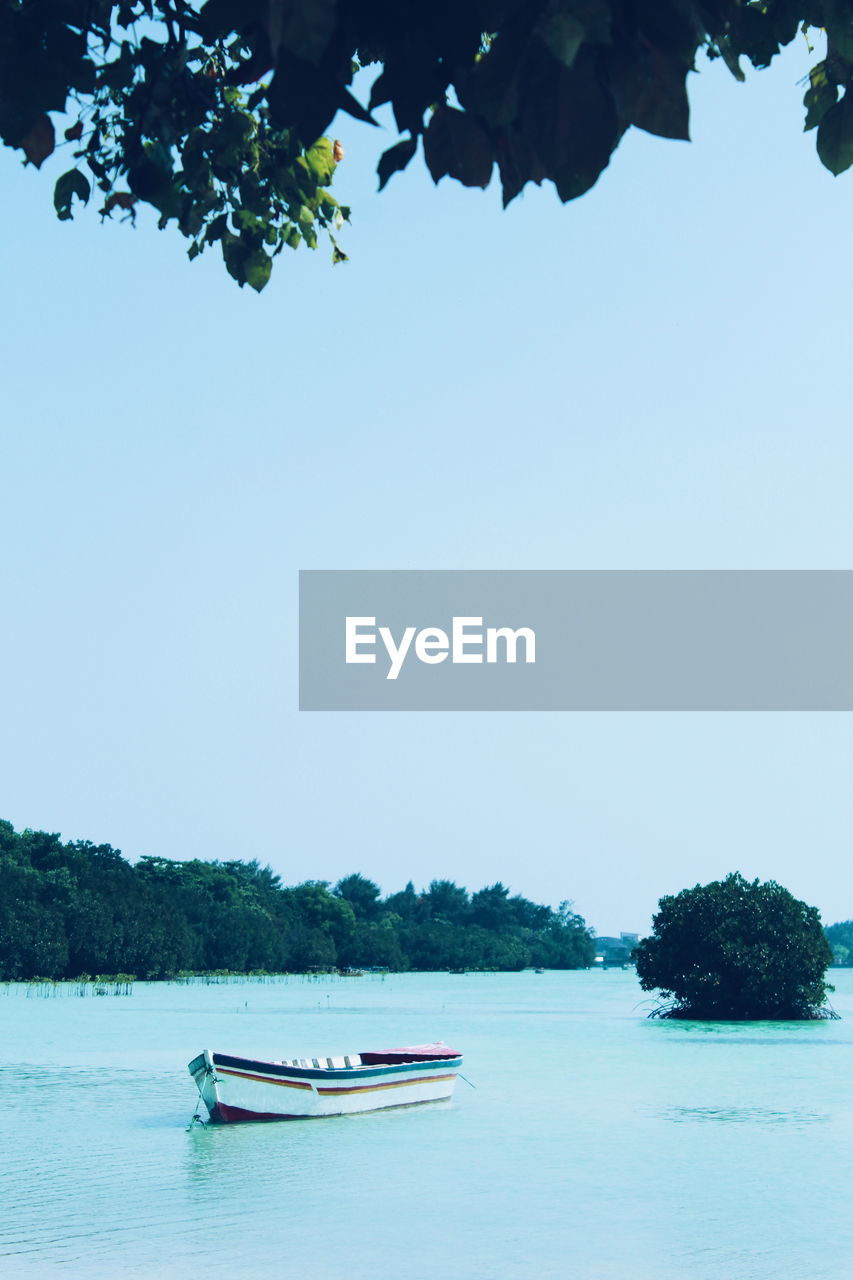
(596, 1144)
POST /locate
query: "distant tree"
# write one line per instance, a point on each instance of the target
(566, 942)
(406, 904)
(736, 949)
(214, 113)
(840, 938)
(375, 946)
(445, 900)
(362, 895)
(529, 915)
(491, 907)
(316, 908)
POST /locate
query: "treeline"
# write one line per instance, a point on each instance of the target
(76, 908)
(840, 938)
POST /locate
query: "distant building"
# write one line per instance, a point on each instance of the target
(615, 952)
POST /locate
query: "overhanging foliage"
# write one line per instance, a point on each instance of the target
(215, 113)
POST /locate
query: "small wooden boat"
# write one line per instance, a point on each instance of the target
(235, 1089)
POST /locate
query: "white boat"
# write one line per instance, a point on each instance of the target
(235, 1089)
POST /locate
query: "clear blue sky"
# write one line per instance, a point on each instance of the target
(656, 376)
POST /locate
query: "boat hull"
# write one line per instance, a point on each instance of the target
(243, 1089)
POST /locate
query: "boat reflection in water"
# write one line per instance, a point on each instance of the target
(235, 1089)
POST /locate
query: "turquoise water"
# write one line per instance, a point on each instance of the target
(595, 1145)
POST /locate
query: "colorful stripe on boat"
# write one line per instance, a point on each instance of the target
(390, 1084)
(245, 1075)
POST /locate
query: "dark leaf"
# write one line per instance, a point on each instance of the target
(756, 35)
(216, 229)
(303, 27)
(651, 90)
(413, 80)
(835, 136)
(516, 163)
(306, 99)
(457, 145)
(395, 159)
(595, 16)
(731, 56)
(354, 108)
(380, 91)
(73, 183)
(839, 30)
(491, 89)
(253, 69)
(39, 140)
(676, 27)
(218, 18)
(570, 123)
(561, 33)
(75, 132)
(119, 200)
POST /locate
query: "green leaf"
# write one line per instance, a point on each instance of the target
(234, 256)
(395, 159)
(835, 136)
(245, 220)
(73, 183)
(258, 267)
(321, 161)
(819, 97)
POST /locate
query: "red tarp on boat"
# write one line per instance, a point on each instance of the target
(412, 1053)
